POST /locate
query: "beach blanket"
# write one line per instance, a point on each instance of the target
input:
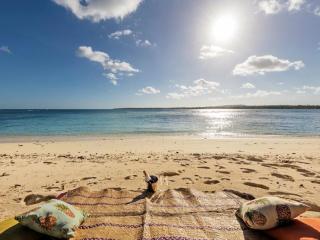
(180, 214)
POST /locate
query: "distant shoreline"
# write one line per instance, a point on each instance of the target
(175, 108)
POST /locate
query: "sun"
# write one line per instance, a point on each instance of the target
(224, 28)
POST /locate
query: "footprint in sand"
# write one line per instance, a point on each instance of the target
(305, 173)
(246, 196)
(211, 182)
(188, 180)
(130, 177)
(248, 170)
(251, 184)
(204, 167)
(4, 175)
(283, 176)
(87, 178)
(48, 163)
(227, 179)
(254, 159)
(170, 174)
(284, 193)
(223, 172)
(315, 181)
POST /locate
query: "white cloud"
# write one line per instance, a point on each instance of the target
(295, 5)
(315, 90)
(199, 87)
(316, 11)
(263, 64)
(5, 49)
(144, 43)
(118, 34)
(248, 85)
(98, 10)
(174, 95)
(270, 6)
(258, 94)
(276, 6)
(148, 90)
(108, 64)
(207, 52)
(112, 77)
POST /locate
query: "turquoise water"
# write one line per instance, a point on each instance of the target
(204, 122)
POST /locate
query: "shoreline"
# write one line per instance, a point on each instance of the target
(90, 137)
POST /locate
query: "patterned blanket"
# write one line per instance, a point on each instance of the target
(180, 214)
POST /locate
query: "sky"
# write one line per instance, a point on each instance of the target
(158, 53)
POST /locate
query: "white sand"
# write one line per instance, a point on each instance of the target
(287, 167)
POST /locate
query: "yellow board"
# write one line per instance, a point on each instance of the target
(5, 225)
(10, 229)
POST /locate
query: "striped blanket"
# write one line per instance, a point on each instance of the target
(180, 214)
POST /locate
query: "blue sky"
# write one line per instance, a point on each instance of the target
(158, 53)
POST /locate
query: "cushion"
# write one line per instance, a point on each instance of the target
(55, 218)
(269, 212)
(300, 229)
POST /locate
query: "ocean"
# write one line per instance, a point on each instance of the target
(200, 122)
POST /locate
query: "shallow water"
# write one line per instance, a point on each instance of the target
(206, 122)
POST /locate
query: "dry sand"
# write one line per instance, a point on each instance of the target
(286, 167)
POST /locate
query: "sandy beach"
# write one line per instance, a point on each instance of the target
(282, 166)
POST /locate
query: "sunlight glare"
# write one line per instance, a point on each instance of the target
(224, 28)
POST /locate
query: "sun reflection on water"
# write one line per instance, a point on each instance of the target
(218, 122)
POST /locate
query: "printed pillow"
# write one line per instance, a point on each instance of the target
(269, 212)
(55, 218)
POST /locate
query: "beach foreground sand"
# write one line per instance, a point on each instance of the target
(282, 166)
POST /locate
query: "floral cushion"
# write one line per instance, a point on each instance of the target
(269, 212)
(55, 218)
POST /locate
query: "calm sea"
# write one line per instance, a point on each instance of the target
(205, 122)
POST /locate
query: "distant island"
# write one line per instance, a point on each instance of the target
(159, 108)
(240, 107)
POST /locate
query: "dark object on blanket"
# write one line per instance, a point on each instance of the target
(152, 182)
(37, 198)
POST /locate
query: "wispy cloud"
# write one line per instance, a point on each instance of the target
(276, 6)
(295, 5)
(312, 89)
(98, 10)
(112, 77)
(5, 49)
(109, 64)
(263, 64)
(199, 87)
(148, 90)
(212, 51)
(120, 33)
(270, 6)
(144, 43)
(258, 94)
(248, 86)
(316, 11)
